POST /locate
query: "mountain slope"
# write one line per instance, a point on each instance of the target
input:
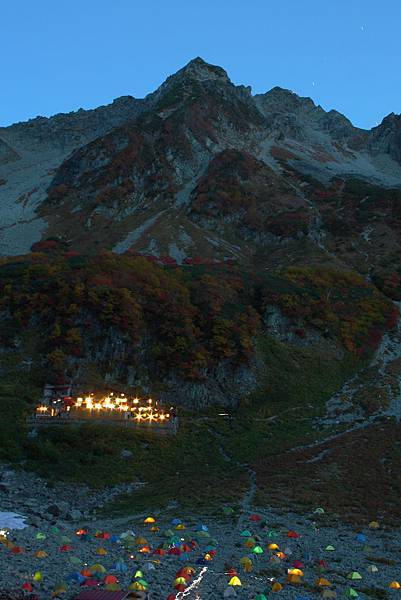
(125, 175)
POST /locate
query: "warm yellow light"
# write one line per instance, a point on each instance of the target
(141, 410)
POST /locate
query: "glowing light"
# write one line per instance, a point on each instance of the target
(140, 410)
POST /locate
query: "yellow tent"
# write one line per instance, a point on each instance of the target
(293, 579)
(374, 525)
(235, 581)
(322, 582)
(137, 586)
(272, 547)
(394, 585)
(140, 541)
(246, 564)
(295, 572)
(150, 520)
(276, 587)
(41, 554)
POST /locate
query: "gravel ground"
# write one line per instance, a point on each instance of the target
(350, 554)
(55, 514)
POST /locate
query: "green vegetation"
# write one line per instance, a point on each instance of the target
(191, 467)
(338, 304)
(294, 387)
(59, 308)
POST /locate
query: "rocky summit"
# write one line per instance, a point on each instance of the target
(234, 256)
(144, 174)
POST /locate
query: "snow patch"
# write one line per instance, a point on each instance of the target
(10, 520)
(134, 236)
(176, 253)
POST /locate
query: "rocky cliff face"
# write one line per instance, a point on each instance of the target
(127, 175)
(386, 137)
(201, 173)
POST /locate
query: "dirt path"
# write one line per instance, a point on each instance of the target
(206, 578)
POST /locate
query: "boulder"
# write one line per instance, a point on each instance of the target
(53, 510)
(74, 515)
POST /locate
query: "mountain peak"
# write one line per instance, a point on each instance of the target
(284, 100)
(199, 69)
(196, 71)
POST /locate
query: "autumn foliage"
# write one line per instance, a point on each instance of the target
(172, 319)
(128, 312)
(340, 304)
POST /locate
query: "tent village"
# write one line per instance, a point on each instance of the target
(239, 555)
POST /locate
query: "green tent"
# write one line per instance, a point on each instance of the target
(354, 575)
(227, 510)
(202, 534)
(351, 593)
(257, 550)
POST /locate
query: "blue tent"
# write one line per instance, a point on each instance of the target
(120, 566)
(76, 577)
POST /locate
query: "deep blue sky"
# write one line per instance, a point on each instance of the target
(60, 55)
